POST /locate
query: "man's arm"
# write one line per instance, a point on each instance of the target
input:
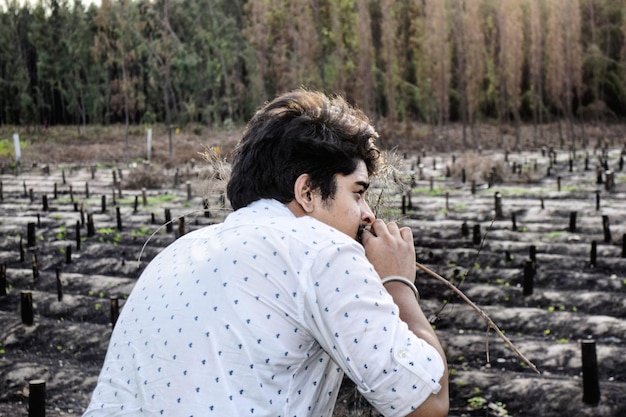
(390, 250)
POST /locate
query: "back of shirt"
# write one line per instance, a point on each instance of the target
(260, 315)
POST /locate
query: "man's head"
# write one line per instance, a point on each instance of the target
(300, 132)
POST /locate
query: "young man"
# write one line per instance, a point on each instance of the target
(262, 314)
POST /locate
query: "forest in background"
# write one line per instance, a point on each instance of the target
(213, 62)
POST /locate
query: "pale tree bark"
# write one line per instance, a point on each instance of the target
(364, 95)
(564, 58)
(388, 29)
(510, 59)
(437, 52)
(470, 54)
(535, 64)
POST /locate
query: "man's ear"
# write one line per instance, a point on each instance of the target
(303, 193)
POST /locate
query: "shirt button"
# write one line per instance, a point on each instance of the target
(402, 353)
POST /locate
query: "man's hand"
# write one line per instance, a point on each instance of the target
(390, 249)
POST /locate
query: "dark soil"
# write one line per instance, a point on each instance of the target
(575, 297)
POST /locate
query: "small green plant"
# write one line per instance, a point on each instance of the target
(62, 233)
(109, 236)
(477, 402)
(570, 188)
(141, 232)
(555, 235)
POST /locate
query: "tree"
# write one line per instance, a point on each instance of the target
(510, 59)
(470, 57)
(17, 66)
(564, 57)
(114, 46)
(436, 53)
(536, 63)
(365, 94)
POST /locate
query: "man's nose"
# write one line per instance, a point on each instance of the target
(367, 215)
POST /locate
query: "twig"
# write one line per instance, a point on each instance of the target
(481, 313)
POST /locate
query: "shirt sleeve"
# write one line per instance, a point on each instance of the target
(355, 320)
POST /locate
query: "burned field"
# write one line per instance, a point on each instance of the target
(537, 244)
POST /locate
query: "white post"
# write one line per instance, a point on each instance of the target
(18, 153)
(149, 145)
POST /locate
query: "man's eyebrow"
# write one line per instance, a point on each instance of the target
(363, 184)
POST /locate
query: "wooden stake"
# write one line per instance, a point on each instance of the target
(532, 253)
(168, 221)
(30, 234)
(91, 229)
(529, 275)
(26, 302)
(22, 254)
(476, 236)
(181, 226)
(498, 204)
(115, 310)
(591, 387)
(59, 285)
(33, 257)
(606, 229)
(118, 216)
(205, 206)
(3, 279)
(593, 254)
(37, 398)
(77, 235)
(572, 221)
(464, 229)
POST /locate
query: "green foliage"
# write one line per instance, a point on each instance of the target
(213, 62)
(141, 232)
(62, 233)
(8, 149)
(477, 402)
(109, 235)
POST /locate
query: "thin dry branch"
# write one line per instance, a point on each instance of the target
(481, 313)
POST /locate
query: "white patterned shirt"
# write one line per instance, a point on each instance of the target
(261, 315)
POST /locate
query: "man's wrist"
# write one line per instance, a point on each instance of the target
(405, 281)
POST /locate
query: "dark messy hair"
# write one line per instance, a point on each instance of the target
(300, 132)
